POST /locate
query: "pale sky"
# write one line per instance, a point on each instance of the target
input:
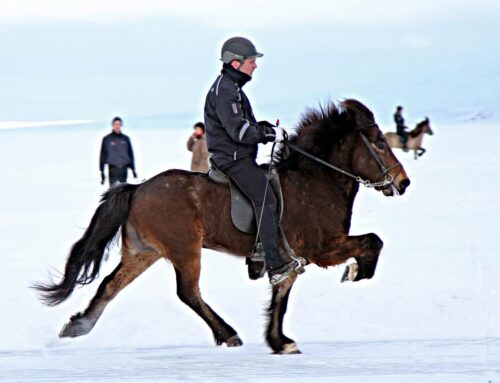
(252, 14)
(91, 59)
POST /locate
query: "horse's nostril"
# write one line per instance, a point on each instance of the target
(405, 183)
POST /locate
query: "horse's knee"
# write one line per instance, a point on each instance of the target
(374, 242)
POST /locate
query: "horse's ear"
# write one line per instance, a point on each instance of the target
(426, 118)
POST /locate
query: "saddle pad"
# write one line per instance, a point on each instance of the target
(242, 210)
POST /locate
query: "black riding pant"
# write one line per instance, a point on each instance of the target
(252, 181)
(403, 136)
(117, 174)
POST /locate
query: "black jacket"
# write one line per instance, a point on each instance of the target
(231, 128)
(400, 124)
(116, 150)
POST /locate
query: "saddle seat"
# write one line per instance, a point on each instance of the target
(242, 210)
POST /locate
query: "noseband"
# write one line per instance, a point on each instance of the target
(388, 179)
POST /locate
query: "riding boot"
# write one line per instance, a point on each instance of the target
(257, 265)
(280, 274)
(405, 145)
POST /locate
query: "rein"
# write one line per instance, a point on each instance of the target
(388, 178)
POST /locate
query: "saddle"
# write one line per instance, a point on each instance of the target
(242, 210)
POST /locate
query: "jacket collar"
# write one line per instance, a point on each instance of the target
(239, 77)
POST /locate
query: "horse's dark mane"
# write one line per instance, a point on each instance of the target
(418, 129)
(320, 131)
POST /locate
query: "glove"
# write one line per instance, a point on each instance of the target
(103, 178)
(265, 124)
(134, 173)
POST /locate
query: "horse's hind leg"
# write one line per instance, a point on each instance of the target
(187, 271)
(130, 267)
(275, 338)
(365, 249)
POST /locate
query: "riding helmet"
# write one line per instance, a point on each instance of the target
(238, 48)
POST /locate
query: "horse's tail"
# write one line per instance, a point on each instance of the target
(85, 258)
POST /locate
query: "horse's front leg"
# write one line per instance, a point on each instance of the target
(365, 249)
(280, 343)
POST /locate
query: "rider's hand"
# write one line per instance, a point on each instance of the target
(265, 124)
(103, 178)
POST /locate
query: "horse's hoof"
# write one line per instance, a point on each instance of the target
(75, 328)
(350, 273)
(289, 349)
(234, 341)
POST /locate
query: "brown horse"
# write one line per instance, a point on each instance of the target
(415, 138)
(177, 213)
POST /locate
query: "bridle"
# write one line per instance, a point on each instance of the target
(388, 179)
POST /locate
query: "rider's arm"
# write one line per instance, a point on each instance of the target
(131, 154)
(103, 157)
(190, 143)
(232, 119)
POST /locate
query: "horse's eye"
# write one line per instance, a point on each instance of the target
(381, 145)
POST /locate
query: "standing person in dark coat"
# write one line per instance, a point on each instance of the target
(116, 151)
(401, 128)
(233, 135)
(197, 144)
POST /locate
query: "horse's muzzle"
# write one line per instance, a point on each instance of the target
(403, 185)
(396, 188)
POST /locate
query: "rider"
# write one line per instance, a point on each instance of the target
(401, 128)
(232, 137)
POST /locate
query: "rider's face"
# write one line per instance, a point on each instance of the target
(247, 66)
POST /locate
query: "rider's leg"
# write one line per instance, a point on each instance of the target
(404, 140)
(252, 181)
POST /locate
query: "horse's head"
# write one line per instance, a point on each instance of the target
(426, 126)
(422, 128)
(371, 156)
(347, 137)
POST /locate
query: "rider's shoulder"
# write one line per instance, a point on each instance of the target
(227, 84)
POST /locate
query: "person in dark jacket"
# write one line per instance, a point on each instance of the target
(233, 134)
(116, 151)
(401, 128)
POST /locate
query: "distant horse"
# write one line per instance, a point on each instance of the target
(177, 213)
(415, 138)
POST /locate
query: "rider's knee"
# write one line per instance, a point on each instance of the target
(271, 200)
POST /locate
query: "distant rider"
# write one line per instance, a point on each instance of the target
(116, 151)
(232, 137)
(401, 128)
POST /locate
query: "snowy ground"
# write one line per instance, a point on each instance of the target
(430, 314)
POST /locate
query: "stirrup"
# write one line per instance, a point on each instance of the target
(295, 266)
(256, 263)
